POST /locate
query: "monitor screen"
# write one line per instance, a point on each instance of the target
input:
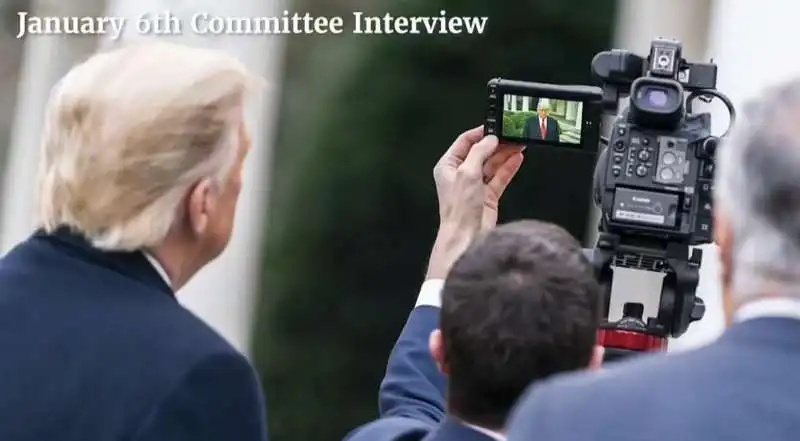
(539, 119)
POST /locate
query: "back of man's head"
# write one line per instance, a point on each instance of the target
(520, 304)
(130, 131)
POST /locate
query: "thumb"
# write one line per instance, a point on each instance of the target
(479, 154)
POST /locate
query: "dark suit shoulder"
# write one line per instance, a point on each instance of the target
(94, 349)
(665, 396)
(84, 295)
(206, 381)
(605, 401)
(218, 398)
(392, 429)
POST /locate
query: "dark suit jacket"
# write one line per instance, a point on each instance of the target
(744, 387)
(532, 130)
(411, 396)
(94, 347)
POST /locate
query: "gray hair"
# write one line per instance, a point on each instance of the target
(758, 192)
(129, 131)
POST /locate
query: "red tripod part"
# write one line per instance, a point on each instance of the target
(630, 340)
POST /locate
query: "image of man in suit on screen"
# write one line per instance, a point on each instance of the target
(542, 126)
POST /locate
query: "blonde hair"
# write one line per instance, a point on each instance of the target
(129, 132)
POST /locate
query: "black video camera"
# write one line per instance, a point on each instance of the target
(653, 182)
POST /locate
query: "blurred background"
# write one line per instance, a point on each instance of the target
(339, 210)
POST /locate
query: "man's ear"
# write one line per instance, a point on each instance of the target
(597, 357)
(436, 345)
(724, 242)
(200, 205)
(723, 238)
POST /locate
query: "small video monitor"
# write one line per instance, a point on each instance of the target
(544, 114)
(533, 118)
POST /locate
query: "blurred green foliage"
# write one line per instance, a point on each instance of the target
(516, 122)
(353, 212)
(509, 128)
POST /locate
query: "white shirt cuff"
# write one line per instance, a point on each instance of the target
(431, 293)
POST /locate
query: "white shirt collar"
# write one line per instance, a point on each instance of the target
(490, 433)
(769, 307)
(158, 267)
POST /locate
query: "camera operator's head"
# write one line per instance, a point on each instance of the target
(520, 304)
(757, 200)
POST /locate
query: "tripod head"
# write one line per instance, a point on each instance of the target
(615, 260)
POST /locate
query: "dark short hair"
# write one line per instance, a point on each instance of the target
(521, 304)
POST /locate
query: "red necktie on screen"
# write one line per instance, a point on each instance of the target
(542, 127)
